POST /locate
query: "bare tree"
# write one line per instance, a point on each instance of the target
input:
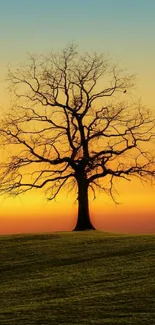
(72, 125)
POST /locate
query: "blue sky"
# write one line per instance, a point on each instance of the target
(125, 30)
(33, 24)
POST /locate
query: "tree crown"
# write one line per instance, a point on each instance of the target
(71, 120)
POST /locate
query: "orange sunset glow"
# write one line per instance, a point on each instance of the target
(32, 213)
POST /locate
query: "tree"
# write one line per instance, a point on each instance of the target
(72, 125)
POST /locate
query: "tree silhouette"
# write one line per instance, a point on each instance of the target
(71, 125)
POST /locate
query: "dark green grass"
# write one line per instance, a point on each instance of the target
(77, 278)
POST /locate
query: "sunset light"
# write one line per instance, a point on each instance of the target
(125, 34)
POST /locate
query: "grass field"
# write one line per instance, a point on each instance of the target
(77, 278)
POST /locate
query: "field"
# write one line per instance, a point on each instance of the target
(77, 278)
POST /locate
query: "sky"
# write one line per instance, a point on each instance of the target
(123, 30)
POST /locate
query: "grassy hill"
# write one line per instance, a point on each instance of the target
(77, 278)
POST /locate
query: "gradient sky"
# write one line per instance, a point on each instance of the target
(125, 31)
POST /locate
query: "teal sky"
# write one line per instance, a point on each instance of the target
(125, 30)
(100, 24)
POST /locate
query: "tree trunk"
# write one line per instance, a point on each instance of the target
(83, 220)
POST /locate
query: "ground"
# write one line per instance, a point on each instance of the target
(77, 278)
